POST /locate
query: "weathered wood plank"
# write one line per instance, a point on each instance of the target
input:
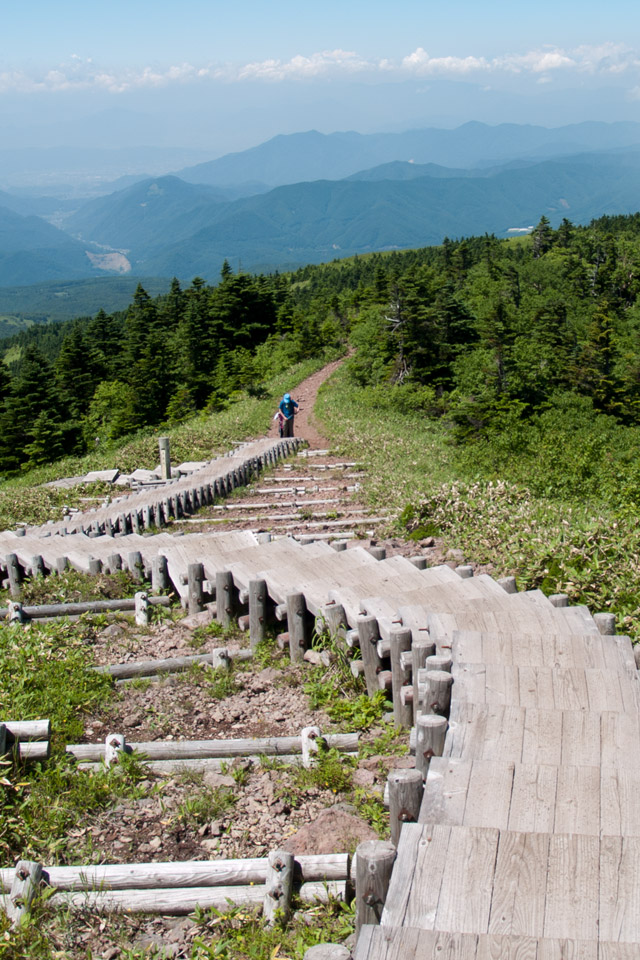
(533, 798)
(519, 888)
(578, 800)
(572, 888)
(464, 904)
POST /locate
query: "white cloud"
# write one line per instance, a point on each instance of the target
(541, 64)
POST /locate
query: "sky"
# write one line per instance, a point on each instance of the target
(208, 77)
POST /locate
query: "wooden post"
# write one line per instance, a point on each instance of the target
(439, 662)
(135, 565)
(3, 741)
(559, 599)
(14, 573)
(298, 626)
(374, 863)
(508, 584)
(136, 526)
(159, 574)
(195, 578)
(257, 611)
(465, 571)
(379, 553)
(328, 951)
(114, 745)
(122, 523)
(606, 623)
(309, 740)
(220, 659)
(419, 562)
(24, 888)
(61, 564)
(400, 641)
(15, 613)
(437, 692)
(95, 566)
(339, 546)
(431, 732)
(279, 886)
(36, 567)
(142, 608)
(165, 458)
(336, 620)
(114, 563)
(225, 601)
(369, 635)
(422, 648)
(147, 519)
(405, 796)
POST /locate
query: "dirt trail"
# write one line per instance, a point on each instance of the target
(305, 394)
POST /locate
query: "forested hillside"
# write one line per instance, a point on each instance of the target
(489, 335)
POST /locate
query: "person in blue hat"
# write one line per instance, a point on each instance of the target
(286, 413)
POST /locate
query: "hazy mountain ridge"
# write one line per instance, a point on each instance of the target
(291, 158)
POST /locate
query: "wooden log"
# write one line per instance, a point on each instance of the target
(180, 902)
(352, 639)
(431, 731)
(135, 565)
(419, 562)
(3, 741)
(36, 567)
(308, 868)
(299, 626)
(281, 611)
(437, 698)
(406, 696)
(405, 797)
(225, 600)
(22, 730)
(508, 584)
(24, 889)
(559, 599)
(258, 599)
(14, 574)
(48, 611)
(159, 574)
(368, 635)
(33, 751)
(328, 951)
(336, 619)
(278, 887)
(15, 613)
(374, 863)
(422, 648)
(114, 746)
(202, 749)
(142, 608)
(385, 680)
(152, 669)
(113, 563)
(439, 662)
(606, 623)
(173, 768)
(165, 458)
(400, 642)
(309, 737)
(195, 577)
(357, 668)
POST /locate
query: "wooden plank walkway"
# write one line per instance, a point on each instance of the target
(528, 840)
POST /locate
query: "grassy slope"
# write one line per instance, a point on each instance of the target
(23, 499)
(587, 549)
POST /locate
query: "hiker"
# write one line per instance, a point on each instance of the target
(286, 413)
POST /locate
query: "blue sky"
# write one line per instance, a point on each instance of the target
(217, 76)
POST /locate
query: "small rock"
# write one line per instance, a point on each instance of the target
(454, 554)
(215, 828)
(428, 542)
(196, 620)
(155, 843)
(333, 831)
(363, 778)
(313, 656)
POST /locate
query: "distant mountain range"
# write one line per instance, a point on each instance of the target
(300, 157)
(169, 226)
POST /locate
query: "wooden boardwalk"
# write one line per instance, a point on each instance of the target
(528, 840)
